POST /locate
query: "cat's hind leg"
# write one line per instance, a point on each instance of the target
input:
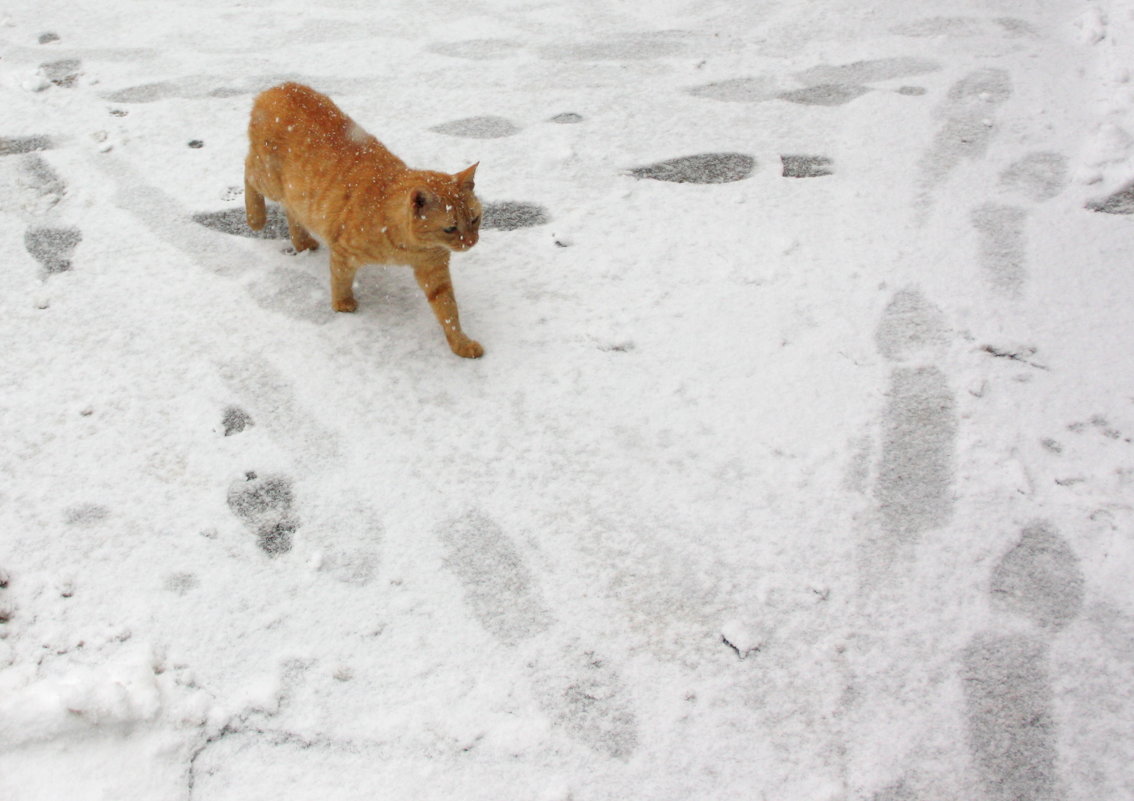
(342, 282)
(254, 207)
(301, 240)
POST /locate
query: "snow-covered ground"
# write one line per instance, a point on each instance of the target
(800, 464)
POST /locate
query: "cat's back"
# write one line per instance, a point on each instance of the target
(295, 108)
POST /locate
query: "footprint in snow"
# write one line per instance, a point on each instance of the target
(1002, 229)
(703, 168)
(910, 327)
(914, 485)
(234, 420)
(63, 73)
(1037, 176)
(964, 27)
(868, 71)
(799, 166)
(1002, 244)
(478, 128)
(966, 132)
(1006, 678)
(635, 47)
(824, 84)
(12, 145)
(825, 94)
(499, 587)
(85, 515)
(914, 489)
(1039, 579)
(41, 188)
(264, 505)
(181, 583)
(511, 214)
(586, 698)
(52, 247)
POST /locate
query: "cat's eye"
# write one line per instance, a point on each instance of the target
(475, 221)
(452, 229)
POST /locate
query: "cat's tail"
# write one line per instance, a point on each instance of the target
(254, 207)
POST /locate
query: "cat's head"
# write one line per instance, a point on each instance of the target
(444, 211)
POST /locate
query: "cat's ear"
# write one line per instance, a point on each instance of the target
(420, 200)
(465, 177)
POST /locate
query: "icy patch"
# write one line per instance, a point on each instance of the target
(703, 168)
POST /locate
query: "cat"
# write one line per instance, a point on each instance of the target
(339, 183)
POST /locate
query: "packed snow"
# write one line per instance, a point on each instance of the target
(799, 465)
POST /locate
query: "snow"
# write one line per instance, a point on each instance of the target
(800, 462)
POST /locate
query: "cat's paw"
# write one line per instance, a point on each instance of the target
(344, 305)
(467, 348)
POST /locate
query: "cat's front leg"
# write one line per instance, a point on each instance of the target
(433, 277)
(343, 269)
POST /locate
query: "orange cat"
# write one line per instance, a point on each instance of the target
(338, 182)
